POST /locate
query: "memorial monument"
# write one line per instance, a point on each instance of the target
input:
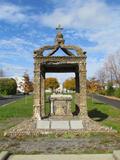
(71, 62)
(60, 105)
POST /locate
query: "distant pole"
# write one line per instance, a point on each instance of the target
(25, 99)
(92, 98)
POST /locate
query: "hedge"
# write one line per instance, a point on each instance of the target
(8, 86)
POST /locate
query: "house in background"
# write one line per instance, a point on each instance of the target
(20, 84)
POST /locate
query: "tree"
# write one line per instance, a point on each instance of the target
(110, 72)
(117, 92)
(94, 85)
(51, 83)
(69, 83)
(110, 89)
(8, 86)
(28, 85)
(102, 76)
(114, 66)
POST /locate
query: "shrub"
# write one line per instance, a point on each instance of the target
(8, 86)
(117, 92)
(110, 89)
(103, 92)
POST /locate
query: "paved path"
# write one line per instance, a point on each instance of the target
(113, 156)
(63, 157)
(112, 102)
(9, 99)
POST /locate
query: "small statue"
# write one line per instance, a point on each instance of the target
(59, 38)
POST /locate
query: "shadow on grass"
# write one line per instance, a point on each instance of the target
(97, 115)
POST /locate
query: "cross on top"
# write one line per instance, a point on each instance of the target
(59, 28)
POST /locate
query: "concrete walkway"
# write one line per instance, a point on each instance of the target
(63, 157)
(115, 156)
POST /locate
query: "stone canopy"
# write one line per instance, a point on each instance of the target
(71, 62)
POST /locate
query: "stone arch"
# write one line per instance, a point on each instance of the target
(43, 64)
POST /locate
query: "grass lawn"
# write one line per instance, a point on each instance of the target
(20, 108)
(23, 108)
(105, 114)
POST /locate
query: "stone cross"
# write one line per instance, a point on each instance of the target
(59, 28)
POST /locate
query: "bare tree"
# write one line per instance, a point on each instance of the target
(110, 72)
(101, 75)
(114, 67)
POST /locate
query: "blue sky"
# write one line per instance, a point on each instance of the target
(25, 25)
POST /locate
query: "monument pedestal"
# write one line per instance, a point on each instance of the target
(60, 104)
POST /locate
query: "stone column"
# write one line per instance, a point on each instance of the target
(42, 75)
(83, 96)
(37, 88)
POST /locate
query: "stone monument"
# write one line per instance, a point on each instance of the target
(69, 63)
(49, 63)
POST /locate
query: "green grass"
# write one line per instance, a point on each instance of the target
(105, 114)
(23, 108)
(20, 108)
(107, 109)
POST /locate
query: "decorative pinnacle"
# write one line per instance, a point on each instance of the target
(59, 28)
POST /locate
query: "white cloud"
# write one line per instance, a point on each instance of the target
(94, 20)
(15, 69)
(107, 40)
(17, 49)
(88, 14)
(14, 42)
(12, 13)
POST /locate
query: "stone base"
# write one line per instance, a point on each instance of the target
(76, 124)
(43, 124)
(59, 125)
(28, 128)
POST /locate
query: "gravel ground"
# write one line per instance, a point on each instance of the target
(90, 144)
